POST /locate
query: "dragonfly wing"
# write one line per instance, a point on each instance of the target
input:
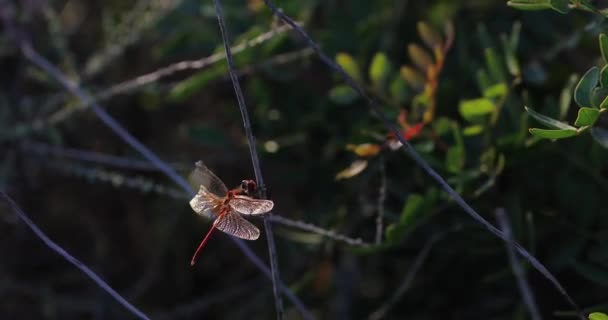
(250, 206)
(206, 203)
(233, 224)
(202, 176)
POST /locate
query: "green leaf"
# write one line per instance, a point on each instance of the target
(429, 36)
(472, 130)
(496, 91)
(565, 97)
(604, 77)
(529, 4)
(475, 107)
(483, 80)
(495, 67)
(598, 316)
(348, 63)
(343, 94)
(600, 135)
(586, 117)
(379, 69)
(510, 58)
(549, 122)
(413, 204)
(598, 96)
(399, 89)
(553, 134)
(454, 160)
(604, 46)
(560, 6)
(588, 82)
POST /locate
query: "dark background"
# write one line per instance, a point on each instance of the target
(140, 239)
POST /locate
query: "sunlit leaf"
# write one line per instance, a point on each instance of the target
(413, 77)
(343, 94)
(600, 135)
(565, 97)
(472, 130)
(379, 69)
(419, 57)
(364, 149)
(553, 133)
(582, 92)
(549, 122)
(348, 63)
(529, 4)
(429, 36)
(586, 117)
(598, 316)
(496, 91)
(475, 107)
(354, 169)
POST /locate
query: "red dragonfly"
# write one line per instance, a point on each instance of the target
(214, 200)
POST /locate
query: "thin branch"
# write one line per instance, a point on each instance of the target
(518, 271)
(381, 199)
(409, 150)
(85, 98)
(86, 270)
(89, 156)
(317, 230)
(274, 264)
(381, 312)
(145, 79)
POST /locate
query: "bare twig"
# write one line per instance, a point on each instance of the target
(381, 199)
(518, 271)
(55, 73)
(145, 79)
(77, 263)
(89, 156)
(274, 264)
(411, 152)
(317, 230)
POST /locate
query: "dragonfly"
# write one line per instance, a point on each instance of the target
(215, 201)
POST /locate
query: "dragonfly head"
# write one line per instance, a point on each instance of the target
(248, 187)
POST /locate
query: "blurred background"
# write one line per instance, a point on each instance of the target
(397, 246)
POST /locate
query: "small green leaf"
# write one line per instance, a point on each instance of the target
(553, 134)
(598, 316)
(399, 89)
(600, 136)
(343, 94)
(454, 160)
(496, 91)
(429, 36)
(586, 117)
(598, 96)
(472, 130)
(413, 77)
(483, 80)
(582, 92)
(475, 107)
(495, 66)
(412, 206)
(565, 97)
(379, 69)
(529, 4)
(348, 63)
(604, 46)
(510, 58)
(560, 6)
(549, 122)
(604, 77)
(420, 57)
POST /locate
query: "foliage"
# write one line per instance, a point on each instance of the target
(481, 89)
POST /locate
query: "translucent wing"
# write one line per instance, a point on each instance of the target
(250, 206)
(206, 203)
(234, 224)
(202, 176)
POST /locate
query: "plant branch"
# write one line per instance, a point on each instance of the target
(409, 150)
(274, 264)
